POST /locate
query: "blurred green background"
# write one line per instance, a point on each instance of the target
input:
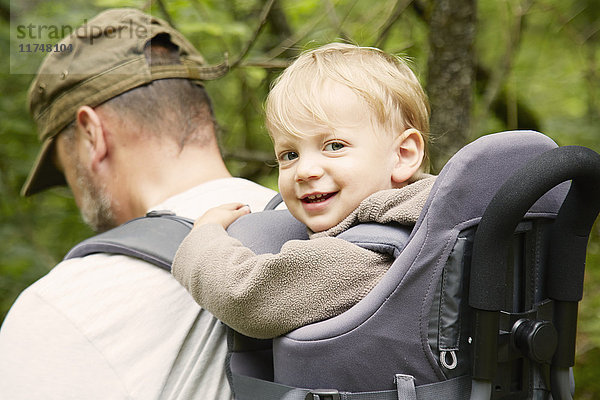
(487, 66)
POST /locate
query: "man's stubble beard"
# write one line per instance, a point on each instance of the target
(96, 203)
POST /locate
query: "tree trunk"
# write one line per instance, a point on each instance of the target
(450, 81)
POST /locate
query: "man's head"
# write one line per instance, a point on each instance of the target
(346, 122)
(134, 78)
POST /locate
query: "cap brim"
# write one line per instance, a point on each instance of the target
(44, 173)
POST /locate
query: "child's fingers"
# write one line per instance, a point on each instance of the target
(238, 209)
(242, 210)
(224, 214)
(232, 206)
(228, 216)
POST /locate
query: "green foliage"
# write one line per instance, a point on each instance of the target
(537, 66)
(35, 233)
(588, 334)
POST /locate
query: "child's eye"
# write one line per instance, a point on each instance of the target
(289, 156)
(334, 146)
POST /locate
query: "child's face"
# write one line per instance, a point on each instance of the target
(326, 173)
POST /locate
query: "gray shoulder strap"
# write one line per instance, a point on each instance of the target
(389, 238)
(381, 238)
(156, 237)
(153, 238)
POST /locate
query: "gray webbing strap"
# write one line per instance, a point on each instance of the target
(154, 238)
(405, 385)
(247, 388)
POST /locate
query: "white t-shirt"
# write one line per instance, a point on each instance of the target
(113, 327)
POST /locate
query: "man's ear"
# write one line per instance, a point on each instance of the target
(92, 133)
(410, 150)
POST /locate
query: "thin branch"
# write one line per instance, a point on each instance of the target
(497, 79)
(399, 8)
(566, 21)
(591, 33)
(419, 9)
(4, 13)
(336, 20)
(203, 15)
(262, 19)
(578, 37)
(278, 21)
(294, 39)
(165, 13)
(147, 5)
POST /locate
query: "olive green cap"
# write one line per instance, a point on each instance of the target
(102, 59)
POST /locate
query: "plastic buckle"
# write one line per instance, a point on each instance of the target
(159, 213)
(323, 394)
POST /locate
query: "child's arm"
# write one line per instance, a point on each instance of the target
(268, 295)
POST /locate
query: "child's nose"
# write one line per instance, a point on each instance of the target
(308, 169)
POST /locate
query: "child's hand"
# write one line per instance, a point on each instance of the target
(223, 215)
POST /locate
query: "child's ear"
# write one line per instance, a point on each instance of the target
(410, 150)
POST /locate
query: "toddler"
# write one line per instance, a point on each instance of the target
(349, 127)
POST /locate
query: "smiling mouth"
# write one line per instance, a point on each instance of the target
(317, 198)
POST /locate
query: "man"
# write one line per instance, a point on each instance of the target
(125, 122)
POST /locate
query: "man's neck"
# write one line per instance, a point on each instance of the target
(151, 181)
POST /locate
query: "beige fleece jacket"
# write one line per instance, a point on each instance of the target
(268, 295)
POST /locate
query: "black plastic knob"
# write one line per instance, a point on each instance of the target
(536, 340)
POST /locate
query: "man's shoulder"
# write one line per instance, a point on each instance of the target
(257, 196)
(121, 314)
(81, 287)
(234, 184)
(195, 201)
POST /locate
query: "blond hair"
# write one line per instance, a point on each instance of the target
(385, 82)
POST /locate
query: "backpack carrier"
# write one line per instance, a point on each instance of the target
(480, 303)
